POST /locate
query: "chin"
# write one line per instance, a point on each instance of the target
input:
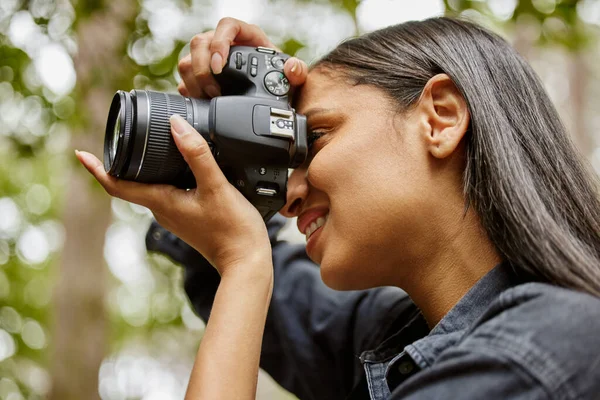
(342, 278)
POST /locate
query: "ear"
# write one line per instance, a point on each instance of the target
(446, 115)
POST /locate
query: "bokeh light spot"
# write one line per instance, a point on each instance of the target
(376, 14)
(55, 67)
(10, 320)
(33, 335)
(38, 199)
(8, 387)
(10, 218)
(33, 247)
(7, 345)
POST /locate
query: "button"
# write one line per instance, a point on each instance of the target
(238, 60)
(266, 192)
(253, 61)
(262, 170)
(406, 367)
(277, 62)
(253, 71)
(265, 50)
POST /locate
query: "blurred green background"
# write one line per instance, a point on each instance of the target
(85, 313)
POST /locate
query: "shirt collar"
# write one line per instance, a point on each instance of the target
(469, 308)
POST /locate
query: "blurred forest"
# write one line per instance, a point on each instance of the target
(85, 313)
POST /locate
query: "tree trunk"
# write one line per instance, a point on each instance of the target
(80, 325)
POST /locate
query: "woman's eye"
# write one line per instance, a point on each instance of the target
(313, 139)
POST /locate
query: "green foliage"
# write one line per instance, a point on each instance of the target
(17, 60)
(291, 46)
(350, 6)
(558, 20)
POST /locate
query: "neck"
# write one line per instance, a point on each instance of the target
(463, 255)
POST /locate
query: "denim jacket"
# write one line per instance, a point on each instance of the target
(507, 338)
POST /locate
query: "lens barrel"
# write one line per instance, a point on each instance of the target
(138, 145)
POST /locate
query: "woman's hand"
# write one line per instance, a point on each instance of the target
(214, 218)
(209, 52)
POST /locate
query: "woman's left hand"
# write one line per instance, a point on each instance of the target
(214, 218)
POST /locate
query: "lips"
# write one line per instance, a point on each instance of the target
(308, 217)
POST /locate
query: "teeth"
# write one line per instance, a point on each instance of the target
(315, 225)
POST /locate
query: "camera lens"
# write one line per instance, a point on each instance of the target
(115, 139)
(138, 145)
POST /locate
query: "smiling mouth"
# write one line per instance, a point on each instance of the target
(315, 225)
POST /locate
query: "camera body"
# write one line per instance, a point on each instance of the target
(254, 133)
(257, 167)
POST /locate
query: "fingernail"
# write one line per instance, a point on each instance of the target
(85, 159)
(216, 63)
(212, 91)
(178, 124)
(294, 66)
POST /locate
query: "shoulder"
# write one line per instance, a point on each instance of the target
(548, 311)
(550, 333)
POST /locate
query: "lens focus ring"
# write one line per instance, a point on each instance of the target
(162, 160)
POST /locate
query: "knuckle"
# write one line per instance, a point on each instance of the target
(199, 40)
(182, 89)
(202, 73)
(218, 45)
(258, 30)
(228, 21)
(199, 150)
(184, 66)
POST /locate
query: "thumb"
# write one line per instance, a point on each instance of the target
(296, 71)
(198, 155)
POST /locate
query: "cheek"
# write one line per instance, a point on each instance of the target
(375, 197)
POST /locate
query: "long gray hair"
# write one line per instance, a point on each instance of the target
(534, 193)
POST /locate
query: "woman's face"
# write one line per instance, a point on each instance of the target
(370, 177)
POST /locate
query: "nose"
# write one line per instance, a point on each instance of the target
(297, 191)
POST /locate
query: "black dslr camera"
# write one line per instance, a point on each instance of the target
(254, 134)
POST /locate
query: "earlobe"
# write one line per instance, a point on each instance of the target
(447, 115)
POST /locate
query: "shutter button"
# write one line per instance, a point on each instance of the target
(406, 367)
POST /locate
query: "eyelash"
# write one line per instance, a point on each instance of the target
(312, 138)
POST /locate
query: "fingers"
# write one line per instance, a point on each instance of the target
(230, 30)
(197, 154)
(200, 57)
(183, 89)
(190, 85)
(296, 71)
(151, 196)
(209, 52)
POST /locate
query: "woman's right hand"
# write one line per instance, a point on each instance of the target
(209, 52)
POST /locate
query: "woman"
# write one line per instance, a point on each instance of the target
(439, 166)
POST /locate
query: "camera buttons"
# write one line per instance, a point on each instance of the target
(238, 60)
(253, 71)
(254, 61)
(277, 62)
(265, 50)
(266, 192)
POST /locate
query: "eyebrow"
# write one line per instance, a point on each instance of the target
(316, 111)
